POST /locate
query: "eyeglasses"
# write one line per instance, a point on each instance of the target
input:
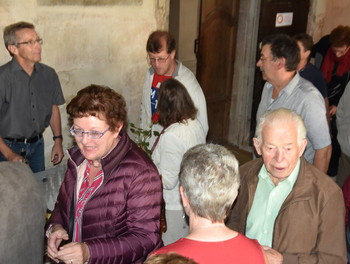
(91, 134)
(30, 42)
(159, 60)
(263, 59)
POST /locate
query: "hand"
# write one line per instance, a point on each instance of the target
(272, 256)
(54, 240)
(57, 152)
(332, 110)
(76, 253)
(12, 156)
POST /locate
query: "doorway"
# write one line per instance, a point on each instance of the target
(215, 60)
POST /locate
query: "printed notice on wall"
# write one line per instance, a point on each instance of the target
(284, 19)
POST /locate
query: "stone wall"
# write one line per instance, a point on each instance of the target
(325, 15)
(86, 41)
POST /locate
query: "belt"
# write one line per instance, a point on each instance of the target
(25, 140)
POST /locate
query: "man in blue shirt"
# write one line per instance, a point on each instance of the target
(285, 88)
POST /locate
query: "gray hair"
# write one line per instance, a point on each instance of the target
(209, 175)
(10, 37)
(278, 115)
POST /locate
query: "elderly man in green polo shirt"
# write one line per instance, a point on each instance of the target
(286, 203)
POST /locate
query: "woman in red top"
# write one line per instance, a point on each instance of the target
(209, 181)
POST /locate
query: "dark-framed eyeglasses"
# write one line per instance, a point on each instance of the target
(91, 134)
(30, 42)
(159, 60)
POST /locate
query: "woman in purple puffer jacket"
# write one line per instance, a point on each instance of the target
(108, 206)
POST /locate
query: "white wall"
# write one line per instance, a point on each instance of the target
(92, 44)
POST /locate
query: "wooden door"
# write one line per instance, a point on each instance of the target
(215, 60)
(268, 12)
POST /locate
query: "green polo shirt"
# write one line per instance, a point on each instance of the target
(267, 203)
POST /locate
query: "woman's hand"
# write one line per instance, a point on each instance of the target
(272, 256)
(56, 234)
(74, 253)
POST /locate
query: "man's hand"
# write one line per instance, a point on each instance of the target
(332, 110)
(8, 153)
(12, 156)
(272, 256)
(57, 152)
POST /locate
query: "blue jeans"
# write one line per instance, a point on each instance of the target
(34, 153)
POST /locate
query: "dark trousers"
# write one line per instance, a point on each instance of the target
(333, 164)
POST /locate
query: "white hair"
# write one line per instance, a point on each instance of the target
(281, 114)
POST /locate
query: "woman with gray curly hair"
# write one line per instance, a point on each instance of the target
(209, 181)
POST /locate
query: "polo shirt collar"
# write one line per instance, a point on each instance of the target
(291, 85)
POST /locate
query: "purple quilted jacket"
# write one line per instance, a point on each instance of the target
(120, 221)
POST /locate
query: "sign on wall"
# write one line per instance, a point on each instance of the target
(284, 19)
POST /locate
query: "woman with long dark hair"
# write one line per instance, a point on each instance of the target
(181, 131)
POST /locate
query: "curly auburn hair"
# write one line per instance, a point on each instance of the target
(101, 102)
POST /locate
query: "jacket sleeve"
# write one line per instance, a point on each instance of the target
(343, 121)
(331, 246)
(141, 236)
(171, 151)
(237, 219)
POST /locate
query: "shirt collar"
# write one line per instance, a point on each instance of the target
(291, 85)
(16, 67)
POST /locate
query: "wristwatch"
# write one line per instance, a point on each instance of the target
(56, 137)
